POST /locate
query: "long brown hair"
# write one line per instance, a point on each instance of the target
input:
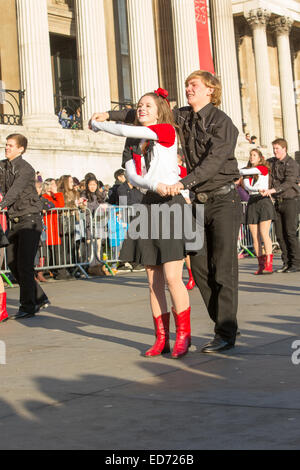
(165, 115)
(262, 162)
(70, 195)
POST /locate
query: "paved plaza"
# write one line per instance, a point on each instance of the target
(75, 376)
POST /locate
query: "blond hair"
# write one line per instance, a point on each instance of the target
(210, 81)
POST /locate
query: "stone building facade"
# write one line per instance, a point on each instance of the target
(95, 55)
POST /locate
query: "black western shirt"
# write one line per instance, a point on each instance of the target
(284, 176)
(17, 184)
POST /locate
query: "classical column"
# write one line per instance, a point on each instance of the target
(226, 59)
(35, 64)
(143, 61)
(165, 47)
(186, 44)
(282, 27)
(92, 57)
(258, 19)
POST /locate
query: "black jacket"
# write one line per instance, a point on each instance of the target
(17, 184)
(133, 195)
(284, 177)
(208, 139)
(113, 197)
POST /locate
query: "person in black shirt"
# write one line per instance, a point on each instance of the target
(113, 197)
(128, 194)
(17, 181)
(208, 139)
(285, 191)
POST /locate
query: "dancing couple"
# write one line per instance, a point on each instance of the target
(150, 161)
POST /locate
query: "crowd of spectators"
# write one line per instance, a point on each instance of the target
(60, 243)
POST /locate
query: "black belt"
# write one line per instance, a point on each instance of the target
(204, 197)
(280, 200)
(18, 219)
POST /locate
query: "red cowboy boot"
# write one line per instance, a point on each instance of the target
(268, 268)
(161, 345)
(261, 264)
(183, 332)
(3, 312)
(191, 283)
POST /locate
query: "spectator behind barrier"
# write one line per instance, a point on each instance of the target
(93, 198)
(40, 258)
(102, 190)
(119, 176)
(128, 194)
(51, 219)
(116, 231)
(69, 219)
(50, 193)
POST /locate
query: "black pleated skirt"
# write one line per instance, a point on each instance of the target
(259, 209)
(157, 234)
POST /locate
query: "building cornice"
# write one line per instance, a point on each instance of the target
(288, 8)
(61, 20)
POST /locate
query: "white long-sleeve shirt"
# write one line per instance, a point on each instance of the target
(163, 167)
(262, 182)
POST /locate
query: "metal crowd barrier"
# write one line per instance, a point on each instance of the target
(110, 225)
(66, 241)
(77, 239)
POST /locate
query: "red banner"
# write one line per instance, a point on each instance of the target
(205, 56)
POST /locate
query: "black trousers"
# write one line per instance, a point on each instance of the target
(215, 269)
(286, 224)
(23, 240)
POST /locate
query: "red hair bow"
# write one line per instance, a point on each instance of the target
(163, 93)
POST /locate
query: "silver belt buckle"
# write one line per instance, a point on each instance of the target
(202, 197)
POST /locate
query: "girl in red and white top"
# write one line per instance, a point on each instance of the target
(150, 160)
(260, 210)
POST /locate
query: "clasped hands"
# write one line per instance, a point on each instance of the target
(99, 117)
(267, 192)
(169, 190)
